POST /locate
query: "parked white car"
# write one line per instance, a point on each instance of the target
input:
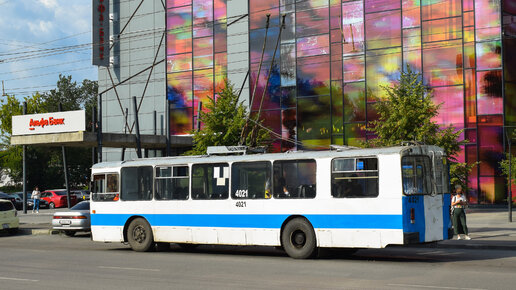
(9, 220)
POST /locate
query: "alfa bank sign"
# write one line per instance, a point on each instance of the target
(58, 122)
(100, 32)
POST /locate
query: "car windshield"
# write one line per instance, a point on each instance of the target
(60, 192)
(82, 206)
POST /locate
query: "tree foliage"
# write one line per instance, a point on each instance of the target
(44, 163)
(407, 115)
(223, 121)
(504, 166)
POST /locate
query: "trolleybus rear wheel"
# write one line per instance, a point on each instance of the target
(139, 235)
(298, 239)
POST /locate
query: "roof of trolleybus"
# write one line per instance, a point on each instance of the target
(353, 152)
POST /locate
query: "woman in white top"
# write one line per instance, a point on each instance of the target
(458, 204)
(36, 195)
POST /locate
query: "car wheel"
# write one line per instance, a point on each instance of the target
(69, 233)
(51, 205)
(298, 239)
(139, 235)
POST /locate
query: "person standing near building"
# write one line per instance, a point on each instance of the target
(458, 204)
(36, 195)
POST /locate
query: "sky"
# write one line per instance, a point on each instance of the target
(40, 39)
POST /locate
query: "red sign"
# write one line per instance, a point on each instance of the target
(51, 121)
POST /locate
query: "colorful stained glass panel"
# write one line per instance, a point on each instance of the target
(354, 102)
(489, 55)
(487, 19)
(436, 9)
(442, 63)
(313, 45)
(179, 62)
(313, 75)
(383, 29)
(179, 89)
(382, 69)
(381, 5)
(442, 29)
(452, 108)
(489, 91)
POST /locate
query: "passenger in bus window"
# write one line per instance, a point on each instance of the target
(283, 184)
(268, 189)
(352, 187)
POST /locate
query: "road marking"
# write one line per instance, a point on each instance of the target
(134, 269)
(18, 279)
(432, 287)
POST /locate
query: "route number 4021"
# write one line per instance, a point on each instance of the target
(241, 204)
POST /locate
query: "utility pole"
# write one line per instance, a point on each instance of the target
(3, 90)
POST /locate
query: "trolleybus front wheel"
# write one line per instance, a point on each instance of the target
(139, 235)
(298, 239)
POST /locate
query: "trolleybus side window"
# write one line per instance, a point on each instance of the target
(417, 175)
(354, 177)
(136, 183)
(105, 187)
(441, 174)
(294, 179)
(172, 183)
(251, 180)
(210, 181)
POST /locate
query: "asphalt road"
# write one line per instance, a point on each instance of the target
(60, 262)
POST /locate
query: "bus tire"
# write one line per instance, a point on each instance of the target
(298, 239)
(139, 235)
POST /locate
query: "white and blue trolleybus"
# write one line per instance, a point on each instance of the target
(300, 201)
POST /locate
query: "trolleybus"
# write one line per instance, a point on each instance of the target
(300, 201)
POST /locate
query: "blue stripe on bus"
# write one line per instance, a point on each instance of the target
(271, 221)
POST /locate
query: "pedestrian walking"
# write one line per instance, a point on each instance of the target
(459, 204)
(36, 195)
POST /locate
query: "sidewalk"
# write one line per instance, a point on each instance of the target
(38, 223)
(489, 228)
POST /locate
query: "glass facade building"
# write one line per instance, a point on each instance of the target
(334, 56)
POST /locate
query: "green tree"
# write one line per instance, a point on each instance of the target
(407, 114)
(44, 163)
(222, 122)
(504, 166)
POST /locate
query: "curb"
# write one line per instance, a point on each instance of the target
(481, 245)
(27, 231)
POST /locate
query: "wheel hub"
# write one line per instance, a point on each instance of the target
(298, 239)
(139, 234)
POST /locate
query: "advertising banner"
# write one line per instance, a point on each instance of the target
(100, 32)
(58, 122)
